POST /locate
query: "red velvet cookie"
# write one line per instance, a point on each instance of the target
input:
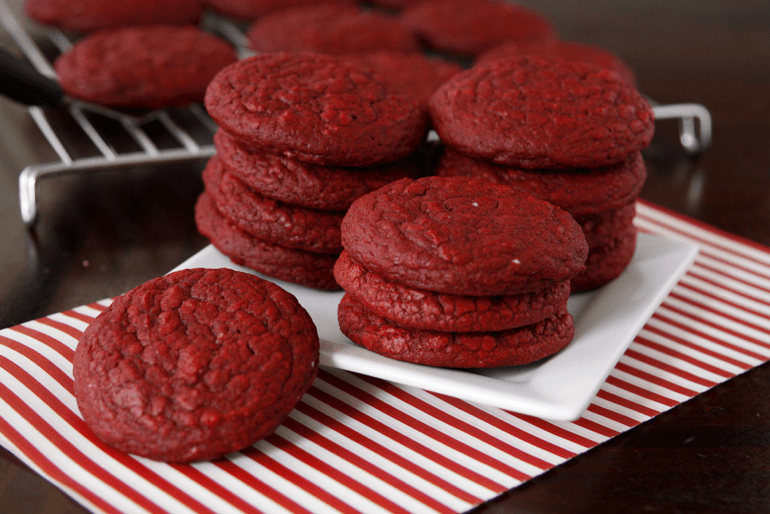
(417, 308)
(569, 50)
(603, 228)
(143, 67)
(329, 28)
(316, 109)
(542, 112)
(522, 345)
(463, 236)
(413, 72)
(468, 27)
(270, 220)
(307, 185)
(252, 9)
(194, 365)
(91, 15)
(578, 191)
(298, 266)
(606, 262)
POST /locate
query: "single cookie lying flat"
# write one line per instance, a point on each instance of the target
(194, 365)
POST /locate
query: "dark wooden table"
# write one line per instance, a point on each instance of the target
(101, 234)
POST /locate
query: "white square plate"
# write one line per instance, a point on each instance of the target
(559, 387)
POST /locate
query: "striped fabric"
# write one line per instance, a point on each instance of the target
(358, 444)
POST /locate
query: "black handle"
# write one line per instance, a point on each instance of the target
(21, 82)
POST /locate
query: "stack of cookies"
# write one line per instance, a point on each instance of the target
(458, 272)
(567, 131)
(301, 137)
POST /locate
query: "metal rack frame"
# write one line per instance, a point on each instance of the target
(694, 121)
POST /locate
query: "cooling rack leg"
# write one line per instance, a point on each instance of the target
(27, 201)
(694, 137)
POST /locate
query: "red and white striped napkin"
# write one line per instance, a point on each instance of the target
(360, 444)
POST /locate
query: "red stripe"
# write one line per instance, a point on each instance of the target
(620, 366)
(695, 273)
(640, 391)
(76, 315)
(669, 368)
(335, 474)
(386, 453)
(703, 321)
(555, 430)
(628, 404)
(397, 436)
(614, 416)
(705, 226)
(643, 341)
(723, 273)
(266, 490)
(596, 427)
(55, 438)
(63, 327)
(49, 367)
(47, 467)
(454, 443)
(58, 440)
(507, 427)
(364, 465)
(97, 306)
(719, 299)
(689, 344)
(56, 345)
(214, 487)
(723, 314)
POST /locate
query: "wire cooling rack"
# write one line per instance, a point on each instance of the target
(88, 138)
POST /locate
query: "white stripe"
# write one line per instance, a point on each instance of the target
(382, 463)
(761, 282)
(661, 373)
(651, 387)
(42, 377)
(621, 409)
(721, 321)
(42, 349)
(459, 456)
(87, 448)
(633, 397)
(605, 421)
(322, 480)
(720, 306)
(757, 294)
(61, 336)
(702, 342)
(87, 311)
(522, 424)
(423, 439)
(502, 436)
(188, 485)
(69, 321)
(423, 462)
(728, 296)
(63, 462)
(353, 472)
(456, 433)
(661, 219)
(249, 492)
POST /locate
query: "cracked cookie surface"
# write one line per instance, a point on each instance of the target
(194, 365)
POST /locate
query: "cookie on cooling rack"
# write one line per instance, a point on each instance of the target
(194, 365)
(542, 112)
(330, 28)
(468, 27)
(316, 109)
(143, 67)
(252, 9)
(91, 15)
